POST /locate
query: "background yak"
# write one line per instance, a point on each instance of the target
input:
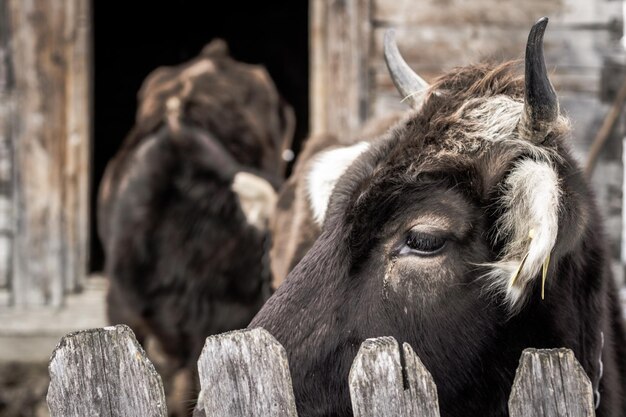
(183, 226)
(468, 231)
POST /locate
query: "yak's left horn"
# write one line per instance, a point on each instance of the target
(410, 85)
(541, 107)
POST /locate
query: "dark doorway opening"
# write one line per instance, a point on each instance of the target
(133, 38)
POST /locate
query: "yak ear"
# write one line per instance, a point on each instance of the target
(324, 173)
(257, 198)
(216, 48)
(528, 226)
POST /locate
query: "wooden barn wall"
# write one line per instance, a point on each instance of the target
(435, 36)
(44, 148)
(6, 153)
(340, 36)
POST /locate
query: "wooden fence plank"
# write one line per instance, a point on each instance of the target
(244, 373)
(104, 372)
(551, 383)
(377, 385)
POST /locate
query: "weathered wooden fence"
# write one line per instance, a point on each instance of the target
(104, 372)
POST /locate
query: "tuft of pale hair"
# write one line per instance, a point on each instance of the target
(529, 224)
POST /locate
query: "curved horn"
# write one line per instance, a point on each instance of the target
(408, 83)
(541, 107)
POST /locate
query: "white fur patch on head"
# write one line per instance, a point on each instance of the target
(257, 198)
(489, 120)
(529, 226)
(325, 170)
(493, 119)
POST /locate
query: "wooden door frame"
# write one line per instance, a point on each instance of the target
(340, 43)
(45, 134)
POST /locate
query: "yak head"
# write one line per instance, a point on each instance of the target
(237, 102)
(453, 232)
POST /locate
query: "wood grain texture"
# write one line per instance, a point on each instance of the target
(7, 103)
(378, 387)
(340, 41)
(76, 171)
(103, 372)
(318, 66)
(244, 373)
(49, 142)
(551, 383)
(31, 334)
(38, 136)
(460, 12)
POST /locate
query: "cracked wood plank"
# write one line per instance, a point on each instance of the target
(378, 387)
(244, 373)
(103, 372)
(551, 383)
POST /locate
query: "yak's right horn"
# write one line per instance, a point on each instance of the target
(410, 85)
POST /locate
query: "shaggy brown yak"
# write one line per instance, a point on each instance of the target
(184, 204)
(467, 231)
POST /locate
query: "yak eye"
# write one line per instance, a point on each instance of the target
(422, 243)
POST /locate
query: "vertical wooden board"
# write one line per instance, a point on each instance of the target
(340, 41)
(244, 373)
(78, 138)
(103, 372)
(7, 101)
(422, 389)
(551, 383)
(38, 139)
(377, 385)
(317, 56)
(49, 147)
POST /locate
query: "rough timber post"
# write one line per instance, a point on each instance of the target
(551, 383)
(104, 372)
(378, 387)
(244, 373)
(44, 154)
(340, 40)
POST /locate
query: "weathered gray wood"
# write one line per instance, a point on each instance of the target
(459, 12)
(46, 123)
(104, 372)
(244, 373)
(575, 64)
(38, 68)
(377, 386)
(31, 334)
(551, 383)
(75, 179)
(318, 66)
(6, 147)
(340, 39)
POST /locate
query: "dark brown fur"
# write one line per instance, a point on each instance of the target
(182, 260)
(434, 162)
(292, 227)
